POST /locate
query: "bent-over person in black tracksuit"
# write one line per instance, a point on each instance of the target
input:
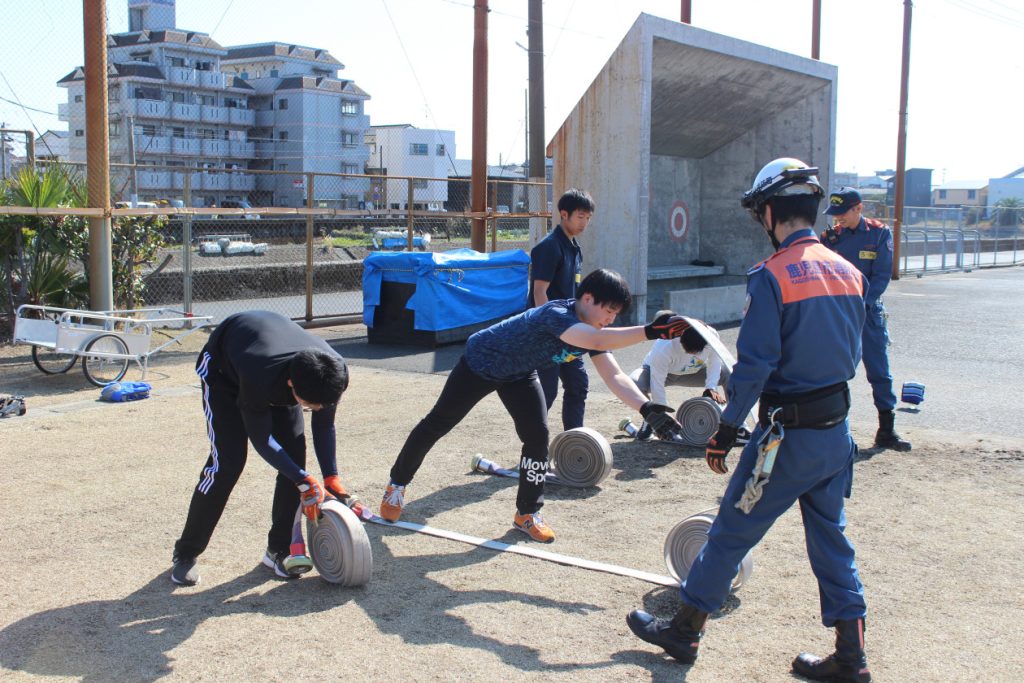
(259, 370)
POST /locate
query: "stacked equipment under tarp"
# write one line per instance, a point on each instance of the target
(427, 299)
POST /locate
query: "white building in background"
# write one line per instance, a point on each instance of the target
(405, 150)
(52, 146)
(180, 100)
(1010, 186)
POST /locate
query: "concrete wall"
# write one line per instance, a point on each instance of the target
(671, 133)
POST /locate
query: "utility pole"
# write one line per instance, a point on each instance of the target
(901, 142)
(538, 154)
(131, 159)
(478, 182)
(816, 29)
(3, 152)
(101, 280)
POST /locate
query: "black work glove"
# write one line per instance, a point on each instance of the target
(657, 416)
(666, 326)
(719, 446)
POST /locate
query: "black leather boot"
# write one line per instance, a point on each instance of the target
(886, 437)
(678, 636)
(847, 663)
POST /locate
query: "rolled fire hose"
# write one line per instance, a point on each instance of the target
(339, 546)
(699, 418)
(685, 541)
(581, 457)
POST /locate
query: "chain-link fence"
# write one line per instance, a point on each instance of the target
(304, 262)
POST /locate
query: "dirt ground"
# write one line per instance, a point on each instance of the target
(93, 496)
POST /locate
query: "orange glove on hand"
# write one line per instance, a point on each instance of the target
(719, 446)
(311, 495)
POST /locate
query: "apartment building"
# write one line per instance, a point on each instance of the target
(178, 99)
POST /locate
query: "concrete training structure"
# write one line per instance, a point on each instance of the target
(668, 138)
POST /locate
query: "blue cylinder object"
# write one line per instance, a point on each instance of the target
(913, 392)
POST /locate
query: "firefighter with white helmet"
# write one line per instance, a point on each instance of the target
(800, 300)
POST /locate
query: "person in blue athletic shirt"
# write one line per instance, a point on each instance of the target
(556, 265)
(867, 244)
(801, 302)
(505, 357)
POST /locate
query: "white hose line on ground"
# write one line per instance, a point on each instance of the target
(530, 552)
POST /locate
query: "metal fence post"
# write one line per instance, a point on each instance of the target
(186, 244)
(410, 219)
(309, 247)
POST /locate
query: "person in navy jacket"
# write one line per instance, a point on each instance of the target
(867, 244)
(801, 302)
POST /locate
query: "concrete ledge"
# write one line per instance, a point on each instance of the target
(679, 272)
(710, 304)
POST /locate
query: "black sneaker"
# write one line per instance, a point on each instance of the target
(645, 433)
(287, 566)
(184, 572)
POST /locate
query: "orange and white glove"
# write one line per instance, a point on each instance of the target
(311, 494)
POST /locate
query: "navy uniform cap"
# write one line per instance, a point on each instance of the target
(842, 201)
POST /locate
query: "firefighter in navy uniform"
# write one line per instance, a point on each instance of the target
(801, 300)
(867, 244)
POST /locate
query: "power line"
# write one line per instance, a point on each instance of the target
(41, 111)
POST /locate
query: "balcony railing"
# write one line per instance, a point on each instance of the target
(182, 111)
(185, 146)
(245, 182)
(243, 150)
(212, 114)
(153, 179)
(241, 117)
(211, 79)
(216, 148)
(152, 144)
(183, 75)
(215, 181)
(149, 109)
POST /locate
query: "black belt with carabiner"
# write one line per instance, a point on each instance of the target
(818, 409)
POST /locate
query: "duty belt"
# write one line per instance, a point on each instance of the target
(816, 409)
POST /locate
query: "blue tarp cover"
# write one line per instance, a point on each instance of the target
(453, 288)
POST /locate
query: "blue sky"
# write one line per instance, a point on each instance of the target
(414, 57)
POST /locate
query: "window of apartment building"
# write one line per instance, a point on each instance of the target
(147, 129)
(208, 100)
(176, 61)
(207, 134)
(282, 135)
(178, 132)
(349, 108)
(440, 151)
(273, 73)
(78, 98)
(417, 149)
(971, 194)
(79, 133)
(350, 168)
(419, 183)
(114, 93)
(244, 75)
(942, 194)
(348, 139)
(114, 129)
(282, 104)
(204, 66)
(282, 167)
(174, 162)
(140, 56)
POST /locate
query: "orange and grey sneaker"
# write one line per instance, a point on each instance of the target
(393, 502)
(534, 527)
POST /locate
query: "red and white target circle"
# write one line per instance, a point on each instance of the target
(678, 221)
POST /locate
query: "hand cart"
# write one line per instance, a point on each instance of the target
(105, 340)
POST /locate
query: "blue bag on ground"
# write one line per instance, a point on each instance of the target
(119, 392)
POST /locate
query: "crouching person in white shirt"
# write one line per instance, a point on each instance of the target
(687, 361)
